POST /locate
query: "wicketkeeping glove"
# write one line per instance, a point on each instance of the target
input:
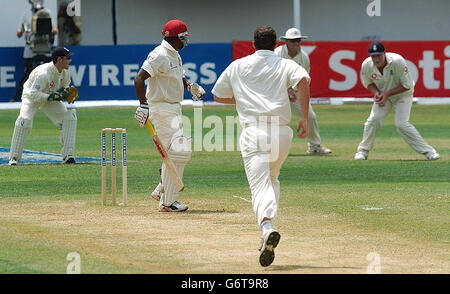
(60, 95)
(197, 91)
(141, 114)
(64, 94)
(73, 94)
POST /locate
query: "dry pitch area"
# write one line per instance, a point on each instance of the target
(207, 239)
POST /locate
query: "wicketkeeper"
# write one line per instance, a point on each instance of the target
(45, 89)
(161, 104)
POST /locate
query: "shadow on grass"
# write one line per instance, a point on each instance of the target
(9, 267)
(385, 171)
(199, 211)
(297, 267)
(310, 155)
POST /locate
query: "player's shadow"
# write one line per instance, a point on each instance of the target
(218, 211)
(298, 155)
(276, 268)
(309, 155)
(410, 160)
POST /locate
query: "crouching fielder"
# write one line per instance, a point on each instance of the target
(386, 75)
(161, 104)
(48, 85)
(258, 85)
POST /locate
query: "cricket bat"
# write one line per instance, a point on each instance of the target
(165, 157)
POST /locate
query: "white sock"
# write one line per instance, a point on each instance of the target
(265, 226)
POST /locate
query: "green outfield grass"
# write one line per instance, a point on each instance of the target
(333, 210)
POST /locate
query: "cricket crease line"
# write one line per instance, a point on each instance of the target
(372, 208)
(246, 200)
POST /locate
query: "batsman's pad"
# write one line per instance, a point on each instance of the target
(68, 133)
(21, 129)
(180, 152)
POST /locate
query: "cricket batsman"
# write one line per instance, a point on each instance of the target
(160, 103)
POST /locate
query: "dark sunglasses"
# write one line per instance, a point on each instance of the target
(294, 40)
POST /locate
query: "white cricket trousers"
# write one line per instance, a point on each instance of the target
(402, 109)
(167, 120)
(168, 123)
(313, 126)
(264, 150)
(54, 110)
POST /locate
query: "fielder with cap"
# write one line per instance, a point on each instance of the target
(293, 51)
(45, 89)
(258, 85)
(161, 104)
(386, 75)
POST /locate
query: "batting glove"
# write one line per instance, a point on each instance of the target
(197, 91)
(141, 114)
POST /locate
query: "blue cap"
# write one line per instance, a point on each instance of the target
(61, 52)
(376, 48)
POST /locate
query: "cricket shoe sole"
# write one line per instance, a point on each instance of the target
(268, 243)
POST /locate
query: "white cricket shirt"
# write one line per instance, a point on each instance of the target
(44, 80)
(395, 73)
(259, 83)
(166, 74)
(301, 57)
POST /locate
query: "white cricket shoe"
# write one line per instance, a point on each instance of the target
(432, 155)
(159, 190)
(267, 246)
(13, 161)
(174, 207)
(317, 149)
(361, 155)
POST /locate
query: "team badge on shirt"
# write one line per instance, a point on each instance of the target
(52, 84)
(406, 69)
(37, 87)
(374, 76)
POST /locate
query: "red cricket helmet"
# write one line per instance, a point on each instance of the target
(175, 28)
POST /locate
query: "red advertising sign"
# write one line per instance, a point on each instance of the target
(335, 66)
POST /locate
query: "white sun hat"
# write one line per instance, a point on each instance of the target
(293, 33)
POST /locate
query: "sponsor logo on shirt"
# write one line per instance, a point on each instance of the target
(406, 69)
(37, 87)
